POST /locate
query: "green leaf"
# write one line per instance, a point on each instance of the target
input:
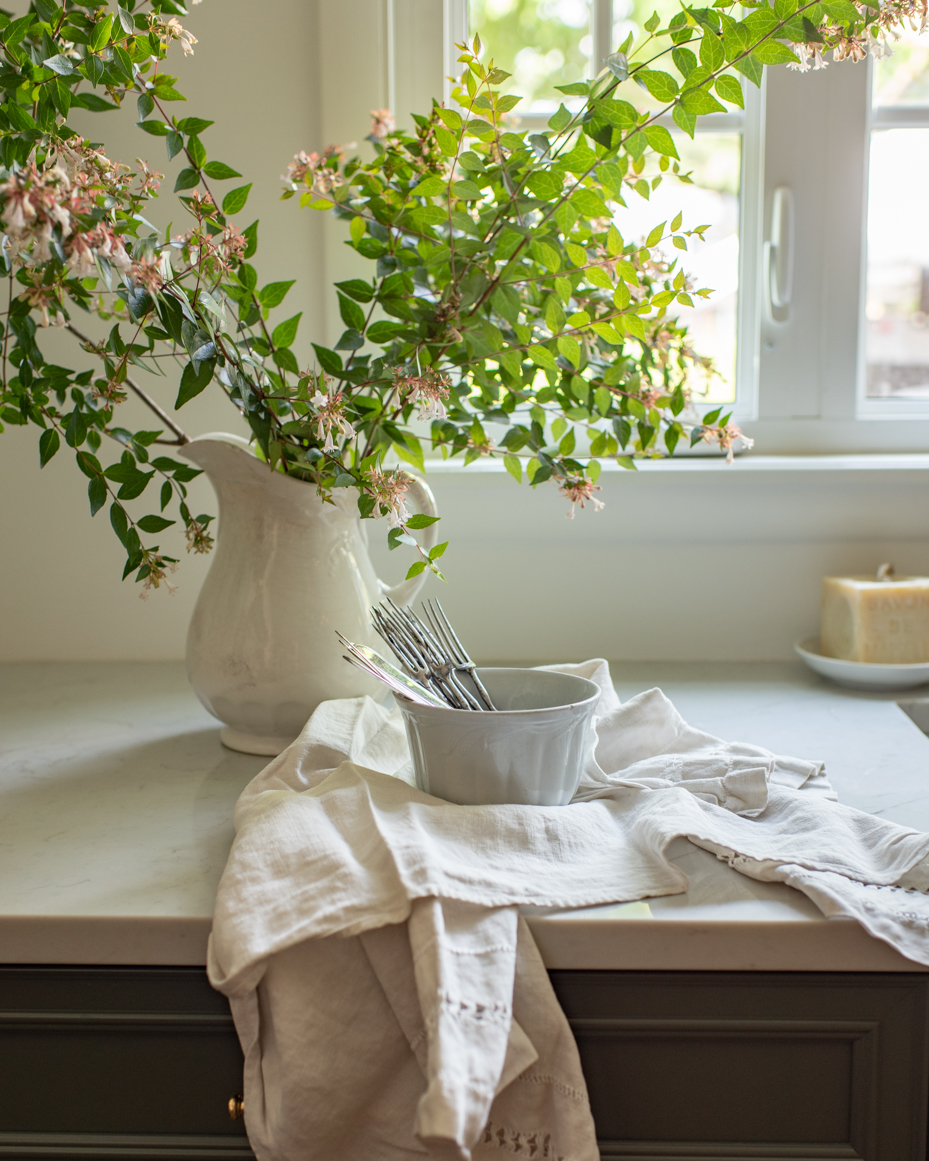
(700, 102)
(351, 312)
(93, 102)
(135, 487)
(384, 332)
(570, 348)
(219, 171)
(451, 117)
(59, 64)
(120, 523)
(174, 143)
(193, 382)
(196, 151)
(18, 116)
(76, 431)
(125, 19)
(186, 179)
(250, 233)
(96, 494)
(430, 187)
(558, 121)
(154, 524)
(439, 550)
(328, 360)
(659, 84)
(711, 51)
(578, 89)
(577, 254)
(542, 357)
(49, 443)
(447, 142)
(608, 332)
(420, 520)
(274, 293)
(684, 61)
(514, 467)
(193, 125)
(772, 52)
(415, 569)
(661, 140)
(655, 235)
(357, 289)
(730, 90)
(156, 128)
(841, 11)
(357, 228)
(235, 199)
(589, 204)
(684, 120)
(285, 333)
(100, 36)
(750, 68)
(466, 190)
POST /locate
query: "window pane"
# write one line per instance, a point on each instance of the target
(713, 199)
(897, 304)
(903, 79)
(548, 42)
(543, 43)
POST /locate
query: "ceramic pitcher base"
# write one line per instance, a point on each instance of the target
(246, 743)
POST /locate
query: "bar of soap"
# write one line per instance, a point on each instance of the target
(882, 621)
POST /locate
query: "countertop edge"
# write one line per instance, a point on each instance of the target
(129, 940)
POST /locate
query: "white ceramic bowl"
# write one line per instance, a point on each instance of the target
(530, 751)
(861, 674)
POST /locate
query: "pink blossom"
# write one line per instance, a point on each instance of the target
(389, 490)
(580, 490)
(429, 389)
(330, 415)
(383, 123)
(725, 437)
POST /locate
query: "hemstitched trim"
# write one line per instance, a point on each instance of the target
(564, 1089)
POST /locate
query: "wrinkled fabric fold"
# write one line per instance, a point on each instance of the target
(390, 1001)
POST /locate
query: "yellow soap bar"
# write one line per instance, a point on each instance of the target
(886, 622)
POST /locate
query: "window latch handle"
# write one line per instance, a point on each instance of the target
(779, 255)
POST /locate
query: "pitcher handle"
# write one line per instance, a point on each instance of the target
(405, 592)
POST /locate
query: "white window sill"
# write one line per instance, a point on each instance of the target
(745, 462)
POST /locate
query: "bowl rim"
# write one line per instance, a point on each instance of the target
(410, 706)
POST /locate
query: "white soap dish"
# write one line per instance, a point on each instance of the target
(861, 674)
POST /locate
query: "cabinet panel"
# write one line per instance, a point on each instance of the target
(117, 1061)
(752, 1066)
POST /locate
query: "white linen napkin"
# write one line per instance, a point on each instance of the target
(389, 1001)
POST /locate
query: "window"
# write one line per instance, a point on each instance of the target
(786, 187)
(545, 43)
(897, 295)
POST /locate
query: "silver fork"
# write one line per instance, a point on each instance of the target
(463, 663)
(427, 654)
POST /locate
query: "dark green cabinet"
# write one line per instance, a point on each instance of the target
(753, 1066)
(140, 1063)
(117, 1062)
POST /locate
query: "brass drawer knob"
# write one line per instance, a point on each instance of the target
(236, 1107)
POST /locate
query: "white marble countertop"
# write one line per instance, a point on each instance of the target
(116, 803)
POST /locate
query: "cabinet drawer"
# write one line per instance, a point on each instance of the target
(130, 1062)
(753, 1066)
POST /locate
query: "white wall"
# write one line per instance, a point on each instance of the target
(695, 561)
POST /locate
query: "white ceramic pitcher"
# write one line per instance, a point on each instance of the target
(288, 571)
